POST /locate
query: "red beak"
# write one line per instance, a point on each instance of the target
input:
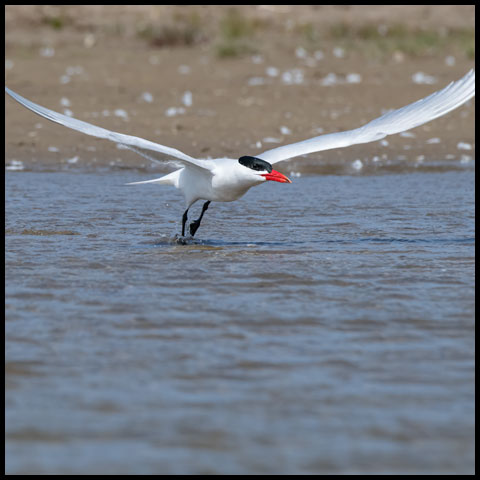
(275, 176)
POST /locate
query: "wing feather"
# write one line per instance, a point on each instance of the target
(128, 141)
(396, 121)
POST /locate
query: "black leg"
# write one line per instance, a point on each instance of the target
(194, 225)
(184, 221)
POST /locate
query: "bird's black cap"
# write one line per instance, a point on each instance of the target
(255, 163)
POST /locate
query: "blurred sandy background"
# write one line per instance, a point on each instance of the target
(229, 80)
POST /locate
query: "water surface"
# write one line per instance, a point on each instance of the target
(325, 326)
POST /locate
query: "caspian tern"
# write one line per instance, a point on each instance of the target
(227, 179)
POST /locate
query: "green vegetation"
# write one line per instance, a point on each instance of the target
(235, 26)
(234, 49)
(310, 34)
(233, 32)
(55, 22)
(465, 39)
(236, 33)
(186, 31)
(383, 40)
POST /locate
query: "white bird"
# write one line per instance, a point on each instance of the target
(227, 179)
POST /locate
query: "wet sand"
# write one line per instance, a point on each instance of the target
(102, 70)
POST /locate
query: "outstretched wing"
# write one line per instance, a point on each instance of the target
(405, 118)
(128, 141)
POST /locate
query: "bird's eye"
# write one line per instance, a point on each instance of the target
(255, 163)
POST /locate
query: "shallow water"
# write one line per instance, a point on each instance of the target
(325, 326)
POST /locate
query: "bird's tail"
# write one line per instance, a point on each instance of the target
(170, 179)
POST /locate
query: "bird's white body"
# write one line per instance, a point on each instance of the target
(227, 179)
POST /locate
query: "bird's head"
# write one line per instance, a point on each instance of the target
(261, 171)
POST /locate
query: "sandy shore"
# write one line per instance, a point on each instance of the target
(257, 75)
